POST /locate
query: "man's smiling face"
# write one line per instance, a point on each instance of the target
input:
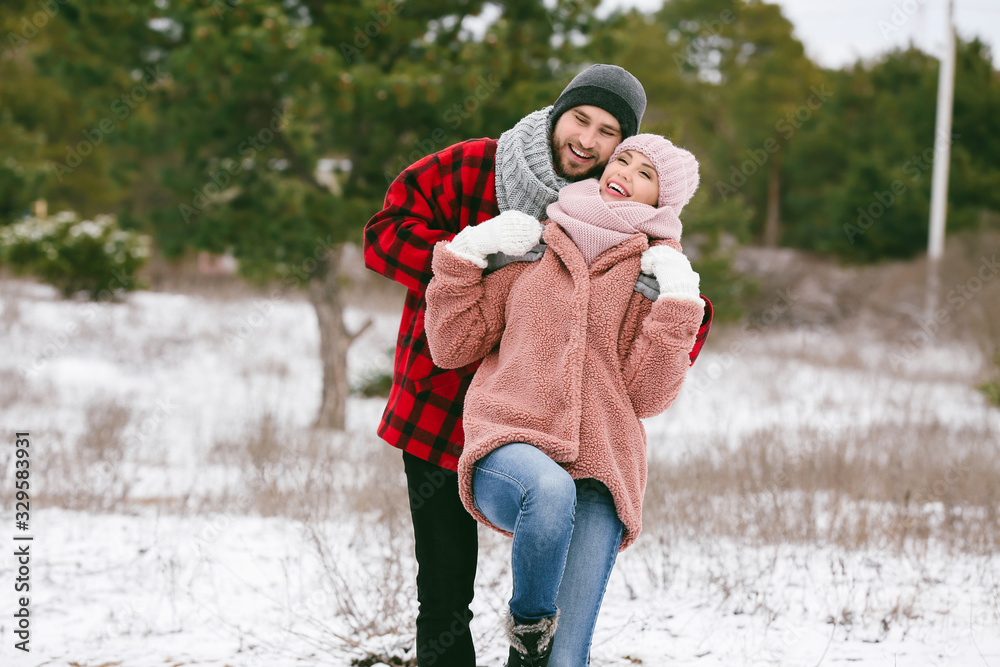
(582, 141)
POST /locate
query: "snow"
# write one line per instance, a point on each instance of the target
(190, 571)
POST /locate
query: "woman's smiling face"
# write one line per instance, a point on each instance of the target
(630, 177)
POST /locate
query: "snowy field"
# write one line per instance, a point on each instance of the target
(188, 514)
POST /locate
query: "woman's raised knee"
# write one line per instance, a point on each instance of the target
(554, 489)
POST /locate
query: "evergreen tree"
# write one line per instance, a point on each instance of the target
(861, 178)
(228, 146)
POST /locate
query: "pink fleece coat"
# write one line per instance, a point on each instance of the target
(573, 358)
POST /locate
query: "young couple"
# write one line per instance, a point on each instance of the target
(528, 353)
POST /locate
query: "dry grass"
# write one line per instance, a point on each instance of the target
(281, 471)
(890, 297)
(886, 484)
(349, 491)
(351, 497)
(889, 486)
(900, 487)
(373, 595)
(10, 305)
(93, 474)
(12, 386)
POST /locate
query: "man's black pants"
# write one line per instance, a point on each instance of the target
(447, 548)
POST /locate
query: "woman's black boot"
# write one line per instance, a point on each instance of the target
(530, 644)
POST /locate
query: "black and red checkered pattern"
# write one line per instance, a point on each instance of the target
(430, 201)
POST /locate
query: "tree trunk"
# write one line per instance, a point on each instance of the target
(334, 340)
(772, 227)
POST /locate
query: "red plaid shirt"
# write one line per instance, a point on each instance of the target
(430, 201)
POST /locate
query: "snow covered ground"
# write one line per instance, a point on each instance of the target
(177, 561)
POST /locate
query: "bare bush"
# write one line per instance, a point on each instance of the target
(373, 589)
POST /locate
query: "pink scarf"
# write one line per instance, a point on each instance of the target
(596, 225)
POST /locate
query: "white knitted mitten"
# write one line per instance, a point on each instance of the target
(674, 273)
(511, 232)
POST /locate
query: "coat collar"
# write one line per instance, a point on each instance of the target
(563, 245)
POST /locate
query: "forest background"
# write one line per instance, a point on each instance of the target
(270, 130)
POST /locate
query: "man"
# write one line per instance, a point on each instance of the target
(430, 201)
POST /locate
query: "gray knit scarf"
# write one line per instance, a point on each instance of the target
(526, 181)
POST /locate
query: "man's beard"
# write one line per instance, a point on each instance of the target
(593, 172)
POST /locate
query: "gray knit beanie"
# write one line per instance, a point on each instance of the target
(608, 87)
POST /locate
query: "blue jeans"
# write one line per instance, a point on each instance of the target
(566, 538)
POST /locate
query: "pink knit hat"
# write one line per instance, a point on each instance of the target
(676, 168)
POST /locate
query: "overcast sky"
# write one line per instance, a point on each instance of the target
(838, 33)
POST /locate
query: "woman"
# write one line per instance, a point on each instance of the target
(576, 346)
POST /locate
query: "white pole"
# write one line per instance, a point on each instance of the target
(942, 144)
(939, 178)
